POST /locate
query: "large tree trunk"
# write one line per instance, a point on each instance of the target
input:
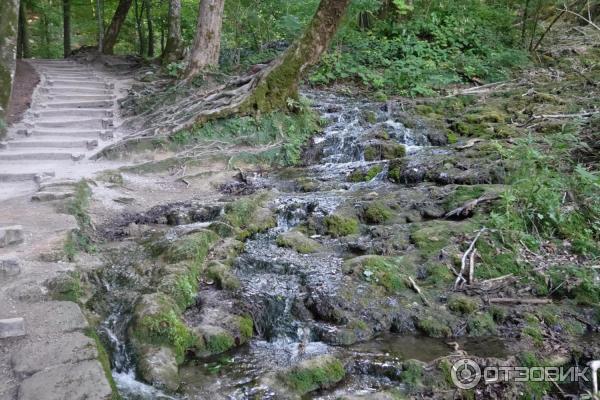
(66, 28)
(112, 33)
(9, 21)
(173, 49)
(150, 28)
(23, 37)
(279, 82)
(207, 43)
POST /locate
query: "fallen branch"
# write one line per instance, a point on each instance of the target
(413, 285)
(511, 300)
(463, 265)
(472, 266)
(466, 209)
(560, 116)
(470, 143)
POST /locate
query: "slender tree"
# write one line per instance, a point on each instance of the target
(112, 33)
(173, 48)
(150, 28)
(100, 22)
(207, 43)
(23, 39)
(66, 27)
(138, 7)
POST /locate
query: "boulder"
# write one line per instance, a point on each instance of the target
(10, 235)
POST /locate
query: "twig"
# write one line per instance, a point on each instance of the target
(510, 300)
(463, 264)
(548, 29)
(582, 17)
(417, 289)
(472, 266)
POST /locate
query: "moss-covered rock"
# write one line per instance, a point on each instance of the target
(340, 225)
(433, 327)
(248, 216)
(377, 213)
(383, 150)
(462, 304)
(297, 241)
(391, 273)
(158, 367)
(360, 175)
(318, 373)
(221, 274)
(395, 170)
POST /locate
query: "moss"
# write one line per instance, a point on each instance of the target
(461, 195)
(359, 175)
(219, 342)
(307, 185)
(249, 216)
(193, 247)
(433, 327)
(297, 241)
(452, 137)
(370, 116)
(246, 326)
(388, 272)
(462, 304)
(481, 324)
(80, 239)
(339, 225)
(377, 213)
(104, 360)
(533, 389)
(499, 314)
(66, 287)
(395, 170)
(222, 275)
(486, 115)
(431, 239)
(438, 274)
(412, 373)
(320, 373)
(535, 333)
(384, 151)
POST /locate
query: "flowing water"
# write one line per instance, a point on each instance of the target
(274, 280)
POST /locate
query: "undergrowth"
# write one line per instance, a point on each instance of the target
(80, 239)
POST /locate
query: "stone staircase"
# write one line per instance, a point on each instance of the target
(71, 117)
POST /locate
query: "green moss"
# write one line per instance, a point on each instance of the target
(533, 390)
(395, 170)
(222, 275)
(433, 327)
(535, 333)
(104, 360)
(66, 287)
(431, 239)
(384, 151)
(388, 272)
(438, 274)
(80, 239)
(359, 175)
(249, 216)
(461, 195)
(319, 373)
(377, 213)
(452, 137)
(246, 326)
(167, 329)
(481, 324)
(412, 373)
(462, 304)
(339, 225)
(499, 314)
(307, 185)
(297, 241)
(219, 343)
(370, 116)
(193, 247)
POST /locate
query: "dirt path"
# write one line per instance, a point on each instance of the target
(45, 350)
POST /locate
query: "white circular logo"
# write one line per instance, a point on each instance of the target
(465, 373)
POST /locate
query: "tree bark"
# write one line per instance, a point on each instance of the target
(150, 28)
(9, 21)
(112, 33)
(139, 15)
(23, 39)
(279, 82)
(100, 22)
(66, 28)
(207, 43)
(173, 48)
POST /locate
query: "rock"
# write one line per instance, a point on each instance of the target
(158, 366)
(10, 235)
(35, 356)
(12, 327)
(297, 241)
(52, 317)
(9, 267)
(84, 380)
(51, 196)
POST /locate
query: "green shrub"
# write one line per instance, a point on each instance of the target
(462, 304)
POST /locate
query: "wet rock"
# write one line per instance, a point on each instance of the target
(297, 241)
(158, 366)
(318, 373)
(383, 150)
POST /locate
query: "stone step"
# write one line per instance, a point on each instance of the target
(82, 104)
(75, 99)
(77, 112)
(10, 235)
(39, 155)
(57, 144)
(12, 327)
(61, 134)
(9, 267)
(79, 84)
(94, 123)
(22, 176)
(76, 80)
(51, 196)
(60, 90)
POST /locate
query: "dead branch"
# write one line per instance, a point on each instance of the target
(589, 21)
(562, 12)
(463, 265)
(467, 208)
(417, 289)
(511, 300)
(561, 116)
(470, 143)
(472, 266)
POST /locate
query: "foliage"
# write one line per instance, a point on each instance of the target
(80, 239)
(167, 328)
(377, 213)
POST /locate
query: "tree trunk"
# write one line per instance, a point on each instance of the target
(150, 28)
(279, 81)
(23, 39)
(207, 43)
(66, 28)
(139, 20)
(100, 21)
(9, 21)
(173, 49)
(112, 33)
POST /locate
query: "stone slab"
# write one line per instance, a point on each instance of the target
(10, 235)
(81, 381)
(9, 267)
(12, 327)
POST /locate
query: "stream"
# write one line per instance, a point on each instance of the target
(275, 280)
